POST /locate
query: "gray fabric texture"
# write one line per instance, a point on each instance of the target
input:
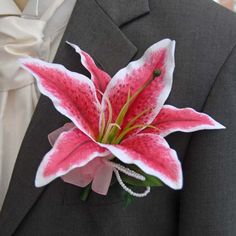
(204, 78)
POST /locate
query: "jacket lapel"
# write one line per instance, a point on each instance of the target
(94, 30)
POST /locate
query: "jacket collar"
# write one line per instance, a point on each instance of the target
(124, 14)
(102, 38)
(96, 32)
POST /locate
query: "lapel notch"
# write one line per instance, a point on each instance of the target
(123, 11)
(95, 32)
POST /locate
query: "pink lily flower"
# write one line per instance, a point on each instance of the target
(123, 117)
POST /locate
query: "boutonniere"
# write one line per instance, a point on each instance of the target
(118, 125)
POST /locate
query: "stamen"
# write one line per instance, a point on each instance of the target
(101, 126)
(111, 131)
(126, 131)
(107, 133)
(152, 127)
(103, 136)
(116, 125)
(136, 117)
(118, 139)
(121, 116)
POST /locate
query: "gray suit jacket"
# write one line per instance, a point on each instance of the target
(115, 32)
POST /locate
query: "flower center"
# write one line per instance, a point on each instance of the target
(111, 132)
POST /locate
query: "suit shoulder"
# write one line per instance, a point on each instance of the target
(214, 19)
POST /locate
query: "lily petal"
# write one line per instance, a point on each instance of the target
(152, 154)
(72, 149)
(96, 171)
(131, 78)
(171, 119)
(72, 94)
(99, 77)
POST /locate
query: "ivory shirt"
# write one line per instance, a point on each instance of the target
(35, 31)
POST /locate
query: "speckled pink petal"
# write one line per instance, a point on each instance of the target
(72, 94)
(152, 154)
(171, 119)
(99, 77)
(96, 171)
(72, 149)
(159, 56)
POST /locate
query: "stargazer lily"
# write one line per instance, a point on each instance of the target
(121, 118)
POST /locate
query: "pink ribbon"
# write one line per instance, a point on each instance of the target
(96, 171)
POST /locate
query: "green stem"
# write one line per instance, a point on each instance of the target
(85, 193)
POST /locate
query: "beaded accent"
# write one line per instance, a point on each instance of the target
(117, 167)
